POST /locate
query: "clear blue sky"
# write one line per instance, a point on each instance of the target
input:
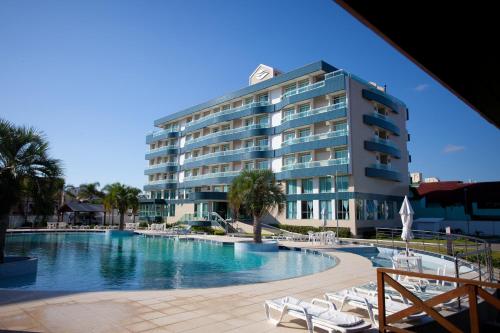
(94, 75)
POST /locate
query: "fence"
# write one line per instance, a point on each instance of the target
(465, 250)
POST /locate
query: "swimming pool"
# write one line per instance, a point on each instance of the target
(97, 261)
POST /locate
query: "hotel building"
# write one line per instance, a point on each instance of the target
(337, 144)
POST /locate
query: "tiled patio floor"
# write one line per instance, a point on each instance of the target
(227, 309)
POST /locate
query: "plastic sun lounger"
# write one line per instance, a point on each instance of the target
(370, 303)
(327, 318)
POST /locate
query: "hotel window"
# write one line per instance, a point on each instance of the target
(263, 121)
(288, 112)
(263, 98)
(248, 143)
(215, 130)
(225, 147)
(339, 99)
(248, 121)
(343, 209)
(325, 209)
(224, 127)
(187, 173)
(305, 158)
(289, 160)
(248, 100)
(325, 184)
(215, 149)
(215, 169)
(381, 210)
(304, 132)
(248, 165)
(360, 209)
(225, 188)
(291, 209)
(304, 108)
(291, 186)
(340, 126)
(226, 107)
(262, 142)
(303, 83)
(288, 136)
(342, 183)
(370, 210)
(217, 188)
(289, 88)
(340, 153)
(390, 210)
(307, 209)
(158, 195)
(307, 185)
(224, 168)
(263, 165)
(171, 210)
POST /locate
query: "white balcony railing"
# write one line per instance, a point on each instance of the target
(161, 165)
(164, 131)
(314, 112)
(228, 111)
(315, 164)
(225, 132)
(162, 181)
(212, 175)
(162, 148)
(322, 136)
(226, 152)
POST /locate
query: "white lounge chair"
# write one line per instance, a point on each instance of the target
(369, 303)
(327, 318)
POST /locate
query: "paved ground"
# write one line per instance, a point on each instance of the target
(228, 309)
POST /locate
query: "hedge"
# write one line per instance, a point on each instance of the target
(300, 229)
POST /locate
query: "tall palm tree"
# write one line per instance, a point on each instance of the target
(123, 198)
(109, 200)
(24, 158)
(259, 193)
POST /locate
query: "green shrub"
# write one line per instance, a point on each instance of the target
(302, 229)
(218, 232)
(143, 225)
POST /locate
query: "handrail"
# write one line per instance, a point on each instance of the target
(228, 111)
(470, 288)
(313, 112)
(226, 152)
(159, 165)
(226, 132)
(314, 164)
(163, 148)
(322, 136)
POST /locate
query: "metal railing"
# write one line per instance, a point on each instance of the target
(163, 131)
(314, 164)
(384, 117)
(321, 136)
(160, 165)
(212, 175)
(225, 132)
(162, 181)
(163, 148)
(384, 142)
(381, 166)
(467, 251)
(224, 112)
(312, 112)
(226, 152)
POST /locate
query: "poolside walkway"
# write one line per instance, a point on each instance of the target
(225, 309)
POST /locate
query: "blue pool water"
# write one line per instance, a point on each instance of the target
(96, 261)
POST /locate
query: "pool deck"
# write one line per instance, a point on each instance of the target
(222, 309)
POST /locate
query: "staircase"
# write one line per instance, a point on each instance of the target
(218, 221)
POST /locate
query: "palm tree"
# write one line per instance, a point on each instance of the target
(109, 200)
(123, 198)
(23, 158)
(90, 192)
(259, 193)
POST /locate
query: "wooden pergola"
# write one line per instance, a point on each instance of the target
(77, 208)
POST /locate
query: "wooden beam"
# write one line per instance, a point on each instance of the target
(489, 298)
(473, 315)
(397, 329)
(418, 302)
(441, 298)
(381, 301)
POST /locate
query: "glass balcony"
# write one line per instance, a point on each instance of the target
(229, 111)
(162, 148)
(225, 132)
(316, 137)
(315, 164)
(226, 152)
(381, 116)
(335, 73)
(384, 142)
(162, 181)
(160, 165)
(314, 111)
(212, 175)
(382, 166)
(163, 131)
(312, 86)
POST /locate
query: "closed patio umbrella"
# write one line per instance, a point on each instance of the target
(406, 213)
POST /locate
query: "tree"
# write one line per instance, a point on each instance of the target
(90, 192)
(123, 198)
(45, 195)
(258, 192)
(24, 158)
(109, 200)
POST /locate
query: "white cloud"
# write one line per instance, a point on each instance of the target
(421, 87)
(449, 148)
